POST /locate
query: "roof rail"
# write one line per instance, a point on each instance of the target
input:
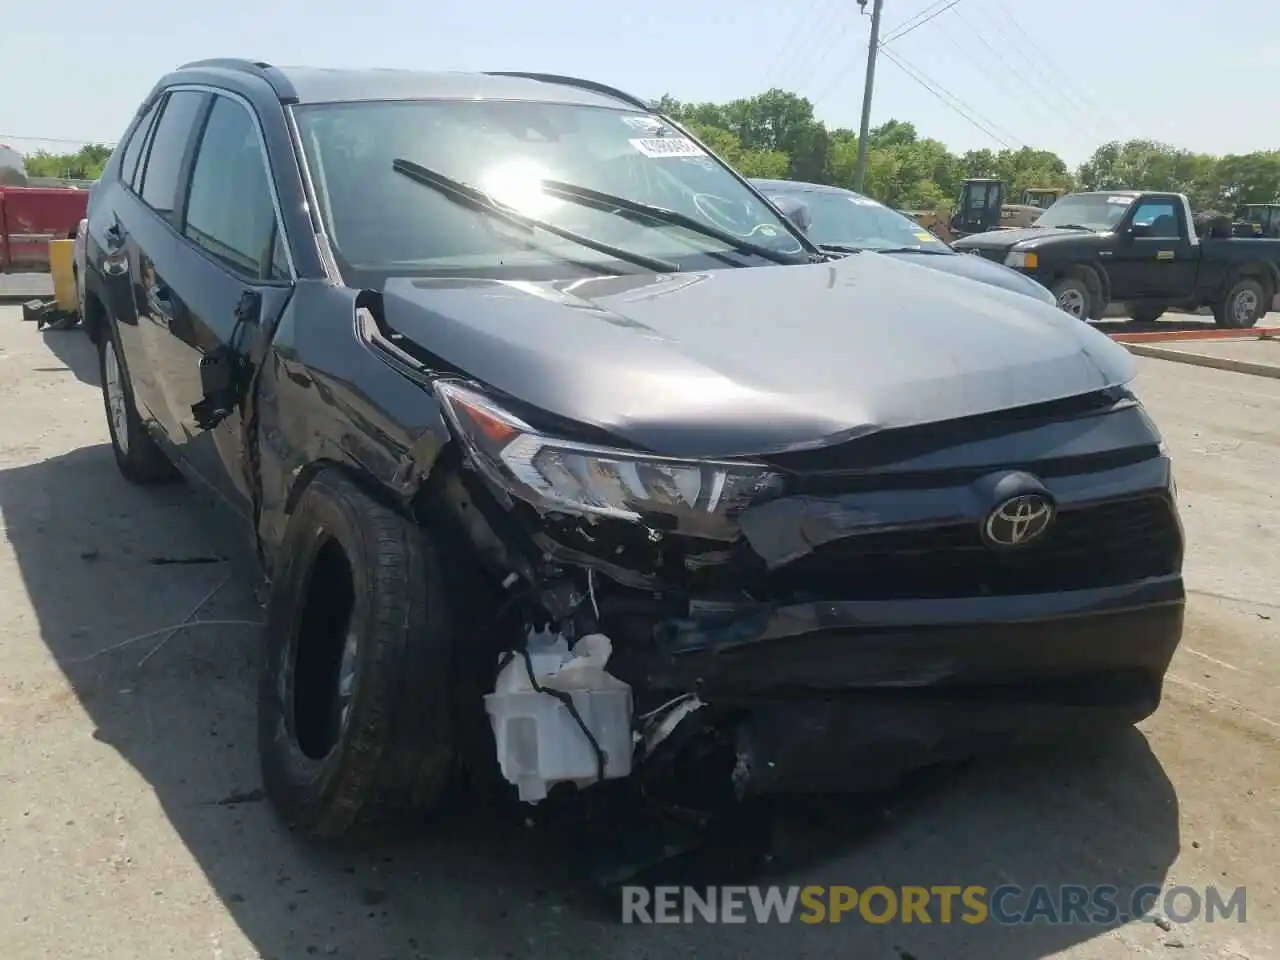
(591, 85)
(258, 68)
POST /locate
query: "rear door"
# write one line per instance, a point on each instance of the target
(236, 277)
(1157, 259)
(136, 241)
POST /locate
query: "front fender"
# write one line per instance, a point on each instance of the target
(324, 398)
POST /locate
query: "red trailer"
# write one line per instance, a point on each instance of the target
(32, 216)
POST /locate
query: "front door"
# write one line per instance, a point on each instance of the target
(1153, 257)
(234, 282)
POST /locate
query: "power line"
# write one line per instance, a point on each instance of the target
(958, 106)
(797, 32)
(75, 140)
(1061, 82)
(919, 20)
(836, 38)
(841, 71)
(1024, 87)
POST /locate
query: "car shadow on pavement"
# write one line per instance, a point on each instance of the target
(1169, 323)
(76, 351)
(104, 562)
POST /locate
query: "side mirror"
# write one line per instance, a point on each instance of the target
(795, 210)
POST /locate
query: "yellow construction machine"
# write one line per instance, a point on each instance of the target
(981, 207)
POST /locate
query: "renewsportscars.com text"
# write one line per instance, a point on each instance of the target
(943, 904)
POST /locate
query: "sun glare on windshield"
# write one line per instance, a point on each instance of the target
(517, 184)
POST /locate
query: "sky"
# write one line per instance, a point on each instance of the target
(1062, 75)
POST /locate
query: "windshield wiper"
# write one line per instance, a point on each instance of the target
(1071, 226)
(868, 248)
(475, 198)
(925, 250)
(636, 210)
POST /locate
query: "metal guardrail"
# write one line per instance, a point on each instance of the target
(59, 182)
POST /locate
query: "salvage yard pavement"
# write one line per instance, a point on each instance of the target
(132, 821)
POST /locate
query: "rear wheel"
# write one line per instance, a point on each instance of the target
(138, 456)
(1242, 305)
(1074, 297)
(354, 707)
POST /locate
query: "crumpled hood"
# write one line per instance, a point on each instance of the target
(753, 360)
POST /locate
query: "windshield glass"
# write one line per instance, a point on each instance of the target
(1097, 211)
(382, 223)
(847, 219)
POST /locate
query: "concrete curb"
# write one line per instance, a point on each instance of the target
(1201, 360)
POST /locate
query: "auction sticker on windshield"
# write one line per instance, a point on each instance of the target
(1119, 199)
(647, 124)
(667, 147)
(864, 202)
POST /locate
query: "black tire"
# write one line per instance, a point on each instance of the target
(325, 764)
(1146, 312)
(138, 456)
(1074, 297)
(1244, 303)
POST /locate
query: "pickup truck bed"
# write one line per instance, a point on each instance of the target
(1139, 249)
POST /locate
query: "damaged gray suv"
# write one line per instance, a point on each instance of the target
(567, 458)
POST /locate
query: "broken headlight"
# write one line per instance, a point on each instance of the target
(571, 477)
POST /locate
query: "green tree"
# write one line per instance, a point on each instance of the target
(749, 163)
(85, 164)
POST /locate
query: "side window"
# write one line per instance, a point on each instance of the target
(168, 147)
(229, 213)
(133, 150)
(1160, 217)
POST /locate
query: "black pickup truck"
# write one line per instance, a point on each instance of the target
(1140, 249)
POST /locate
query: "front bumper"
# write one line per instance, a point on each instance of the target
(851, 696)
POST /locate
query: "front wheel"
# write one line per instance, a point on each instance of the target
(1242, 306)
(354, 708)
(1074, 297)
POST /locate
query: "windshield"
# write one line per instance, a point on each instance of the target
(846, 219)
(1096, 211)
(382, 223)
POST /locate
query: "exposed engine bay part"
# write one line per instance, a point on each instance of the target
(559, 716)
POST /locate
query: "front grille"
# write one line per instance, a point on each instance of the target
(1099, 545)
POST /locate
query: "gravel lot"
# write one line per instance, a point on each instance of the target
(131, 822)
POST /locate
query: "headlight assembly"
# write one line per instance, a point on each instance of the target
(565, 476)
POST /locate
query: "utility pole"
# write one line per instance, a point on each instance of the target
(863, 131)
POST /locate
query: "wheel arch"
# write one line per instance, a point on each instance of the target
(1265, 272)
(1092, 274)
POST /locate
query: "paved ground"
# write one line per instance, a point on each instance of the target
(1251, 351)
(24, 286)
(131, 822)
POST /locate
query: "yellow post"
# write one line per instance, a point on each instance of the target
(61, 261)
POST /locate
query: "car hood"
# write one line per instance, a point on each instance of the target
(1004, 239)
(980, 269)
(744, 361)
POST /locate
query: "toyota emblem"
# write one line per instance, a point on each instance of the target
(1018, 521)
